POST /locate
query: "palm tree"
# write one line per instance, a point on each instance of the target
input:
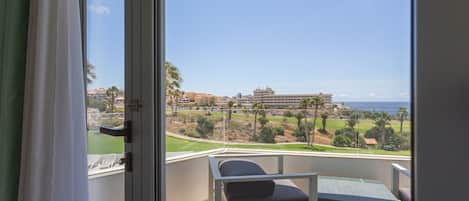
(112, 92)
(173, 81)
(402, 117)
(324, 117)
(317, 102)
(352, 122)
(304, 104)
(90, 73)
(299, 116)
(230, 106)
(257, 107)
(381, 120)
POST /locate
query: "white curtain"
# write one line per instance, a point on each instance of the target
(54, 162)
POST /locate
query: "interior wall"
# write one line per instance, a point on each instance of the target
(442, 100)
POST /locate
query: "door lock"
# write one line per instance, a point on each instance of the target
(127, 160)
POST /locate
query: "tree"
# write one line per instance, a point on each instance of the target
(288, 114)
(317, 102)
(402, 117)
(256, 107)
(304, 104)
(173, 82)
(112, 92)
(351, 123)
(299, 116)
(381, 120)
(324, 117)
(90, 73)
(230, 107)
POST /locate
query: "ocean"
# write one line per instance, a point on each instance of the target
(389, 107)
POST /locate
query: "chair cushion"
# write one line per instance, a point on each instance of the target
(281, 193)
(252, 189)
(405, 194)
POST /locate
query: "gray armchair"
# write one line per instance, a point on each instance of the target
(244, 180)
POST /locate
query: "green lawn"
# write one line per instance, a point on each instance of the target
(102, 144)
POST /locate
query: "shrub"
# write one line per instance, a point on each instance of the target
(395, 141)
(287, 114)
(405, 144)
(300, 135)
(342, 141)
(266, 135)
(204, 127)
(388, 147)
(300, 132)
(193, 133)
(279, 130)
(263, 121)
(349, 132)
(95, 103)
(182, 130)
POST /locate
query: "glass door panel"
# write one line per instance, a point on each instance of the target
(105, 75)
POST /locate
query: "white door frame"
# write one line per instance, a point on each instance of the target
(144, 73)
(144, 81)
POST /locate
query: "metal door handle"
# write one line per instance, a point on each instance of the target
(126, 132)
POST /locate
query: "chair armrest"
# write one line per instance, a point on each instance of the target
(396, 171)
(402, 170)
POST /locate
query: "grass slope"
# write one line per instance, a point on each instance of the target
(103, 144)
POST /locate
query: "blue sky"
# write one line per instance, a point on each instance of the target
(355, 49)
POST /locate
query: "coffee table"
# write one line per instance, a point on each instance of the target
(352, 189)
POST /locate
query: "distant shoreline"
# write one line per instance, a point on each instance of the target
(391, 107)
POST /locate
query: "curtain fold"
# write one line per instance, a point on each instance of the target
(13, 37)
(54, 162)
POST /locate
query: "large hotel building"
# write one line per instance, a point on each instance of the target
(268, 97)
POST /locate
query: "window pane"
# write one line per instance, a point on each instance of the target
(310, 79)
(105, 97)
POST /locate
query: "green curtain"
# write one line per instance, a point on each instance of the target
(13, 39)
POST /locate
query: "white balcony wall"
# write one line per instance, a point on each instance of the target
(187, 177)
(106, 185)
